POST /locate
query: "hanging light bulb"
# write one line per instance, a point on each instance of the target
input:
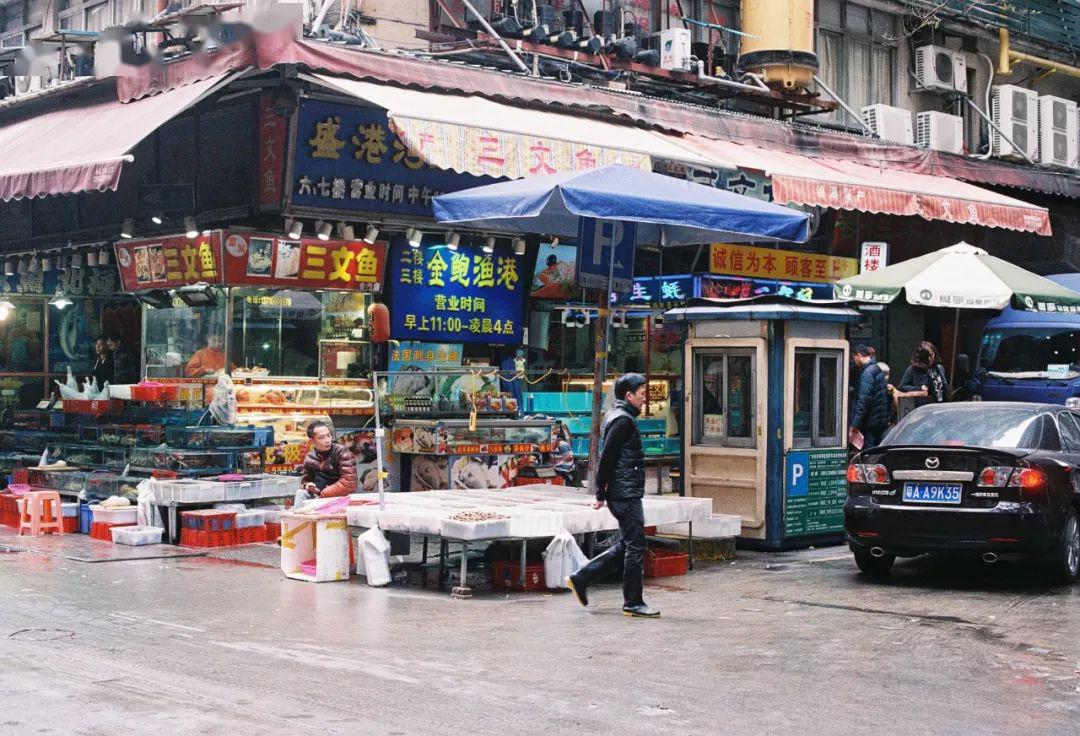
(46, 264)
(323, 230)
(127, 229)
(24, 265)
(371, 234)
(294, 228)
(76, 260)
(91, 259)
(348, 232)
(414, 236)
(103, 257)
(9, 267)
(191, 228)
(519, 246)
(60, 301)
(453, 240)
(157, 218)
(489, 244)
(35, 265)
(554, 242)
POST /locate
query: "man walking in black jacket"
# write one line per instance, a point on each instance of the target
(620, 482)
(870, 413)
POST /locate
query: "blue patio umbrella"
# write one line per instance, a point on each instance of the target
(668, 211)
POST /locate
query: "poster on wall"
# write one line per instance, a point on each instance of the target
(171, 261)
(466, 295)
(556, 275)
(409, 360)
(266, 260)
(487, 471)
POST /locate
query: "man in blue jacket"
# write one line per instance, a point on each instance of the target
(870, 412)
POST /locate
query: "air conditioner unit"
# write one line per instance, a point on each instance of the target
(940, 131)
(675, 49)
(937, 67)
(1015, 111)
(889, 123)
(1057, 131)
(26, 85)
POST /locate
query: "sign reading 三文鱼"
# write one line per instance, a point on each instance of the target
(170, 261)
(268, 260)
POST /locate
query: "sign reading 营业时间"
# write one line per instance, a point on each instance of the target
(268, 260)
(348, 158)
(784, 265)
(467, 295)
(170, 261)
(815, 489)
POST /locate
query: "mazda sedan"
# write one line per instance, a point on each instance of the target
(993, 480)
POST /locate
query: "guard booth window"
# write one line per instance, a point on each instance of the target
(817, 398)
(724, 415)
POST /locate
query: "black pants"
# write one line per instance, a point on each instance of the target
(628, 554)
(872, 436)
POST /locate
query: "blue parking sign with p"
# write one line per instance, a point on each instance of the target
(597, 241)
(797, 475)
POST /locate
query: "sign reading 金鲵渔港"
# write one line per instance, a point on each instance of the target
(442, 295)
(784, 265)
(348, 158)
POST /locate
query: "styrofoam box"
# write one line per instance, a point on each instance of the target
(136, 536)
(69, 509)
(470, 530)
(120, 515)
(246, 519)
(271, 514)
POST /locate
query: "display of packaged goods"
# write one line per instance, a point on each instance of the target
(305, 396)
(219, 437)
(136, 536)
(114, 515)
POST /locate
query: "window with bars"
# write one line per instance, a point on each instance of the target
(856, 49)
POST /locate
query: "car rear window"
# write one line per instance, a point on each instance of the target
(975, 425)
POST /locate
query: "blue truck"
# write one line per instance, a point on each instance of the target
(1031, 356)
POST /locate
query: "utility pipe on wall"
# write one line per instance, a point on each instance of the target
(1007, 56)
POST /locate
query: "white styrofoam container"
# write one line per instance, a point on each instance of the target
(271, 514)
(136, 536)
(470, 530)
(120, 515)
(70, 509)
(247, 519)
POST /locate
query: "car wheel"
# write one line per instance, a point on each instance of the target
(870, 565)
(1067, 559)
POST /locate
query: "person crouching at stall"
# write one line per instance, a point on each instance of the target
(329, 468)
(620, 482)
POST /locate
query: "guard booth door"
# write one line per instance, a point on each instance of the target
(725, 451)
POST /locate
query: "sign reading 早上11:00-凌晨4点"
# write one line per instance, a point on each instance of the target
(348, 157)
(467, 295)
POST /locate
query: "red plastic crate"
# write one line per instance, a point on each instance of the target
(273, 532)
(204, 539)
(154, 392)
(208, 520)
(103, 531)
(251, 535)
(507, 574)
(71, 525)
(662, 563)
(650, 531)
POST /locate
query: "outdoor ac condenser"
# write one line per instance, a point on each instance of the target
(937, 67)
(1015, 111)
(940, 131)
(1057, 131)
(889, 123)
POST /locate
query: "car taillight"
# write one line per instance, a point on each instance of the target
(873, 474)
(995, 477)
(1028, 479)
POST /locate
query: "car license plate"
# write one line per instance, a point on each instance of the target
(947, 493)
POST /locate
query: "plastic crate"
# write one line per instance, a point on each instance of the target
(507, 574)
(103, 532)
(208, 520)
(136, 536)
(273, 532)
(71, 524)
(249, 519)
(86, 518)
(202, 539)
(114, 515)
(663, 563)
(251, 535)
(150, 391)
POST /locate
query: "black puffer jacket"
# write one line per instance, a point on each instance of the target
(621, 475)
(871, 409)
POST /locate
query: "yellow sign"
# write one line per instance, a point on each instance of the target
(783, 265)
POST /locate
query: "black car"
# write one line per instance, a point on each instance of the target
(986, 479)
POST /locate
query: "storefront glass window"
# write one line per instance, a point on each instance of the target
(185, 341)
(20, 392)
(816, 421)
(724, 413)
(295, 333)
(21, 341)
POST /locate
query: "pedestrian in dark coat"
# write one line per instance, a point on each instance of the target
(924, 380)
(620, 483)
(870, 413)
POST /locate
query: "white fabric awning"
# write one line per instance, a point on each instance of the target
(479, 136)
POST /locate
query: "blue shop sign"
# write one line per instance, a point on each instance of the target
(349, 158)
(722, 287)
(440, 295)
(657, 292)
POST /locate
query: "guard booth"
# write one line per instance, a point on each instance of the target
(766, 410)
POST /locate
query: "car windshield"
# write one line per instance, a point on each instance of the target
(976, 425)
(1023, 350)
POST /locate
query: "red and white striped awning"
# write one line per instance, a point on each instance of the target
(861, 187)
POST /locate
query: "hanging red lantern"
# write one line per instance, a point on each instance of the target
(379, 319)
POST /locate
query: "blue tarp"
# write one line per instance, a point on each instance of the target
(669, 211)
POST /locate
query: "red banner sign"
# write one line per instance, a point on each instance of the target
(268, 260)
(171, 261)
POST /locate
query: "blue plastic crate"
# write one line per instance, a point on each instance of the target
(86, 518)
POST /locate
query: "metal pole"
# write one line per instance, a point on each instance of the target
(600, 369)
(1000, 132)
(378, 443)
(848, 110)
(955, 340)
(491, 32)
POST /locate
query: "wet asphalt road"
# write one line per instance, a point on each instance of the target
(797, 643)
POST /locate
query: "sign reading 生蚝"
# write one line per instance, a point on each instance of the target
(467, 295)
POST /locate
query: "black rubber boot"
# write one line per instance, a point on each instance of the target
(578, 588)
(640, 611)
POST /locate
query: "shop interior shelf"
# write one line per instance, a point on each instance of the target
(219, 437)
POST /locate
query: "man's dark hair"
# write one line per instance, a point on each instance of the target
(628, 383)
(552, 259)
(863, 350)
(315, 425)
